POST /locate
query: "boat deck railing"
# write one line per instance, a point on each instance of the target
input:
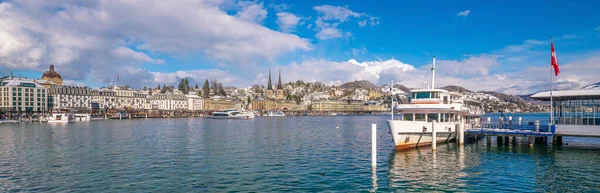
(514, 129)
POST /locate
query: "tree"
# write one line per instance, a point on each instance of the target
(249, 101)
(158, 87)
(145, 88)
(164, 89)
(221, 90)
(196, 87)
(206, 89)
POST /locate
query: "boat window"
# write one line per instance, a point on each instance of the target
(423, 95)
(432, 116)
(446, 117)
(407, 117)
(419, 117)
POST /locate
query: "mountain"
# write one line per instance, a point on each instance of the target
(592, 86)
(455, 88)
(402, 87)
(362, 84)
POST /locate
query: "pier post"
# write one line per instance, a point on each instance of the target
(557, 140)
(433, 136)
(461, 134)
(488, 139)
(120, 116)
(499, 140)
(530, 138)
(146, 115)
(374, 145)
(514, 140)
(105, 116)
(506, 140)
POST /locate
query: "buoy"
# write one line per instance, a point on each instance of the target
(322, 173)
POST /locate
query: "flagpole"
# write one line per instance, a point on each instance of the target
(551, 97)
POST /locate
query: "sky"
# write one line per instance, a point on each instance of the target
(499, 46)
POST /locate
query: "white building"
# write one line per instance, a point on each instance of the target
(169, 101)
(23, 95)
(69, 97)
(195, 102)
(120, 97)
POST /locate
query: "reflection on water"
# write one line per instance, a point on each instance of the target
(422, 169)
(512, 168)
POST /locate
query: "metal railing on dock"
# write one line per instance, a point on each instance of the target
(514, 129)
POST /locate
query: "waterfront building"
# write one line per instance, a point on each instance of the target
(218, 104)
(273, 105)
(69, 97)
(576, 112)
(195, 102)
(337, 106)
(23, 95)
(169, 101)
(120, 97)
(53, 76)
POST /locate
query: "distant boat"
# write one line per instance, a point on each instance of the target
(231, 114)
(334, 114)
(61, 118)
(275, 114)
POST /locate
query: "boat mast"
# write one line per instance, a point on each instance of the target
(392, 96)
(433, 74)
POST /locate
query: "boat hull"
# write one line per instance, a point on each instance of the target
(409, 134)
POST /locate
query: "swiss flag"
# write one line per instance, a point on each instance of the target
(554, 61)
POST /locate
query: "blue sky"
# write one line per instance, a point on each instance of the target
(480, 45)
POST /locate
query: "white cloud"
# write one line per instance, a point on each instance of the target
(328, 33)
(329, 17)
(464, 13)
(571, 36)
(338, 13)
(287, 21)
(96, 39)
(252, 12)
(362, 23)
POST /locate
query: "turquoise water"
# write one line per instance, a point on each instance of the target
(276, 154)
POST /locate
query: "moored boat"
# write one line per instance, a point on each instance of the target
(275, 114)
(61, 118)
(448, 109)
(231, 114)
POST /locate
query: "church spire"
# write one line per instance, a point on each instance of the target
(269, 87)
(279, 85)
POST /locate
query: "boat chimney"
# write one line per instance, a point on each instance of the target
(433, 74)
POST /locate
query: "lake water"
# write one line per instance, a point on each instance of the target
(268, 154)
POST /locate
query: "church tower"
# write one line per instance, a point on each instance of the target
(280, 88)
(270, 87)
(52, 75)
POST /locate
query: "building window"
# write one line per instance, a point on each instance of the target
(14, 89)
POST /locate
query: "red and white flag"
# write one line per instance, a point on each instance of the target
(554, 61)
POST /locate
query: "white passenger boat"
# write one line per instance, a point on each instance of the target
(61, 118)
(448, 109)
(231, 114)
(275, 114)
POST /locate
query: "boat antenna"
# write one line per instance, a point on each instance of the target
(433, 74)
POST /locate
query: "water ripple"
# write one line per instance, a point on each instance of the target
(291, 154)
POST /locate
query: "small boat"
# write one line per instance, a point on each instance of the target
(275, 114)
(61, 118)
(231, 114)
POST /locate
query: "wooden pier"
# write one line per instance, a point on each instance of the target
(507, 132)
